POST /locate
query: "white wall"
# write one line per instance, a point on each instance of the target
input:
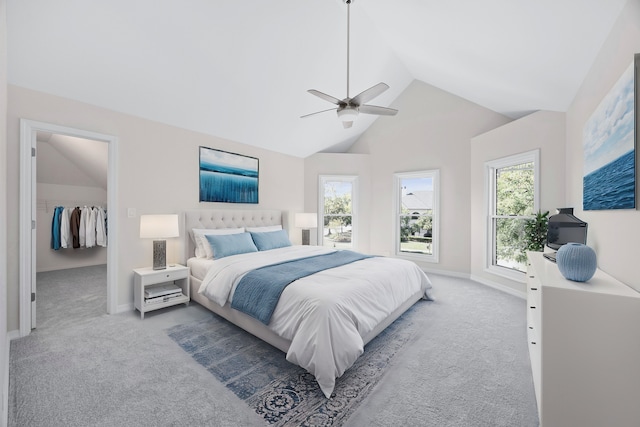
(614, 234)
(158, 173)
(48, 259)
(4, 345)
(431, 131)
(542, 130)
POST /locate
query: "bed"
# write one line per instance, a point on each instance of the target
(322, 321)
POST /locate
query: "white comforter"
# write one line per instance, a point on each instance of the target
(324, 315)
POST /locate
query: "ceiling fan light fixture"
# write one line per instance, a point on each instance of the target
(348, 114)
(349, 108)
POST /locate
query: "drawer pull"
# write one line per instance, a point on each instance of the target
(532, 277)
(534, 289)
(530, 327)
(532, 307)
(533, 342)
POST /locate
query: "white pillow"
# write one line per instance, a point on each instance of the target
(203, 248)
(264, 229)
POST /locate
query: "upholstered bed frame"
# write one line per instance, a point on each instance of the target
(226, 219)
(216, 219)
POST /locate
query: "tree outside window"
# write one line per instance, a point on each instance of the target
(512, 204)
(337, 205)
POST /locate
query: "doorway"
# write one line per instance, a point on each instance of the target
(29, 131)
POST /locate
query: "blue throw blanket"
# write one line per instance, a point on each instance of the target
(258, 292)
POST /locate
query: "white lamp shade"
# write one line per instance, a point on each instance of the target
(158, 226)
(306, 220)
(348, 114)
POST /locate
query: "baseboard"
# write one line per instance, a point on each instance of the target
(125, 307)
(476, 279)
(498, 286)
(448, 273)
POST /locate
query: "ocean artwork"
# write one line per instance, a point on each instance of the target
(227, 177)
(609, 179)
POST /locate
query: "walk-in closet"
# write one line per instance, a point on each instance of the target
(72, 229)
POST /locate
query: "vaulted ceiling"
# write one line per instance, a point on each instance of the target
(67, 160)
(240, 69)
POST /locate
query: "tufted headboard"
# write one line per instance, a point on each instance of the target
(220, 218)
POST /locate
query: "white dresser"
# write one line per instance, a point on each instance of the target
(584, 344)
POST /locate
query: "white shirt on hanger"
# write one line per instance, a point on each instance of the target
(65, 228)
(82, 232)
(101, 229)
(90, 228)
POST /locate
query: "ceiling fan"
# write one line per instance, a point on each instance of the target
(348, 108)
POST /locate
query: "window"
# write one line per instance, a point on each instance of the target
(337, 205)
(512, 200)
(416, 215)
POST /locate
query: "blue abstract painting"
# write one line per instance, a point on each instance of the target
(609, 179)
(227, 177)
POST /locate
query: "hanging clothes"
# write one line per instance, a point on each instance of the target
(101, 228)
(65, 228)
(82, 232)
(75, 227)
(55, 228)
(90, 228)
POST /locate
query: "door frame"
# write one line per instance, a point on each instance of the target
(28, 206)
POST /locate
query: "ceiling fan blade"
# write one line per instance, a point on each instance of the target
(347, 125)
(318, 112)
(374, 109)
(324, 96)
(369, 94)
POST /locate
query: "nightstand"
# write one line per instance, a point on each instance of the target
(148, 277)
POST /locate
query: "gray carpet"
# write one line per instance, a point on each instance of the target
(467, 366)
(81, 367)
(69, 297)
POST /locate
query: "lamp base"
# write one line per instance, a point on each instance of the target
(305, 237)
(159, 254)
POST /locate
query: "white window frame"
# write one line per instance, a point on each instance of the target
(353, 179)
(434, 174)
(490, 205)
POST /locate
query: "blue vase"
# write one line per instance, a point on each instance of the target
(577, 262)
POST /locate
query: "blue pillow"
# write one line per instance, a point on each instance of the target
(230, 244)
(271, 240)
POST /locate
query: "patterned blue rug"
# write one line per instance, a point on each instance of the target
(282, 393)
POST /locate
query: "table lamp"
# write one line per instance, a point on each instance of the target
(306, 221)
(159, 227)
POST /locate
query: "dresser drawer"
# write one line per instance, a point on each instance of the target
(533, 325)
(534, 309)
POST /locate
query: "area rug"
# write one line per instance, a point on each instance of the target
(282, 393)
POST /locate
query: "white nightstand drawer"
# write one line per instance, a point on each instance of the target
(168, 275)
